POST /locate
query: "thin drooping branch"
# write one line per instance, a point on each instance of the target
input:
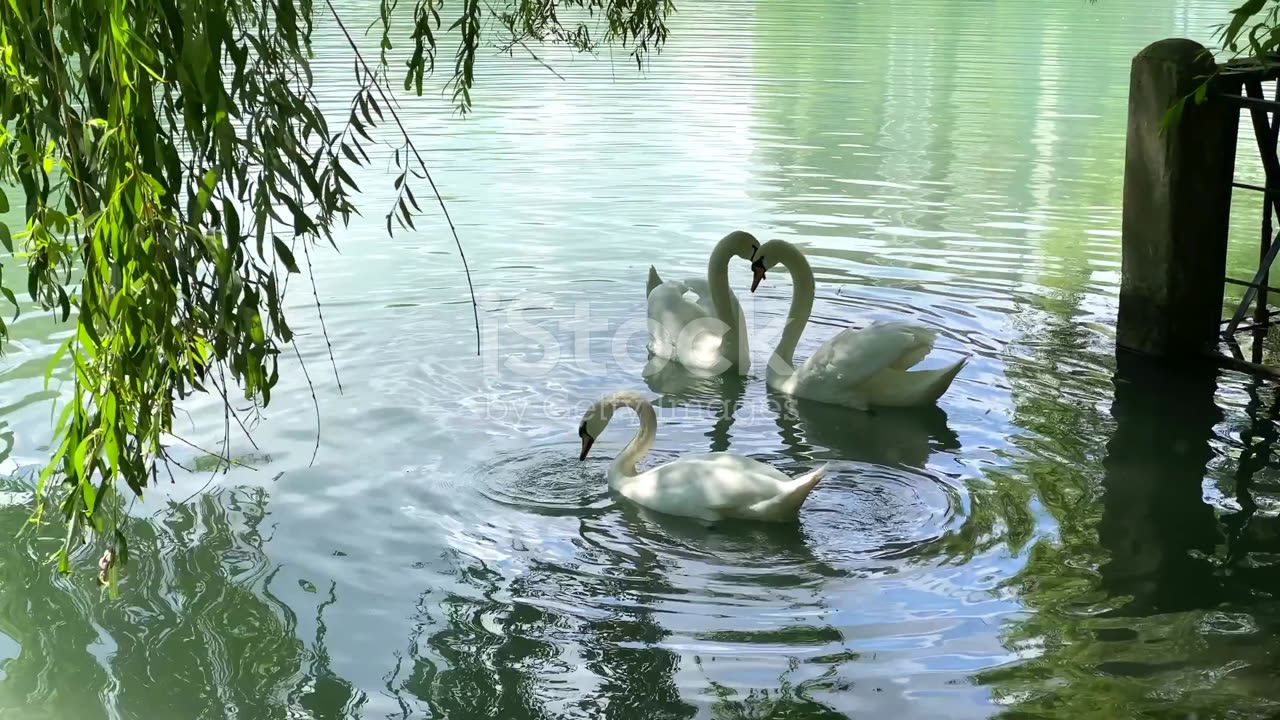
(324, 330)
(315, 450)
(475, 307)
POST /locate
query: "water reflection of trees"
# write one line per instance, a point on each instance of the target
(503, 657)
(1247, 531)
(787, 701)
(947, 124)
(587, 637)
(1143, 605)
(491, 653)
(195, 630)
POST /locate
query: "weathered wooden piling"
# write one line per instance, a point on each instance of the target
(1177, 206)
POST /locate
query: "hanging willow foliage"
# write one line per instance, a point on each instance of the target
(174, 164)
(1250, 37)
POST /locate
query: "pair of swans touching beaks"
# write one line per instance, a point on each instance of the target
(856, 369)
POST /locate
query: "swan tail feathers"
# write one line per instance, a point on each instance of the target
(943, 377)
(787, 505)
(892, 387)
(654, 280)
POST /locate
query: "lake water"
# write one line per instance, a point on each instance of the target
(1061, 537)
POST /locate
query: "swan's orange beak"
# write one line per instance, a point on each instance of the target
(757, 270)
(587, 441)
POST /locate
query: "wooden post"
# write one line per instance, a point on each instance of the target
(1177, 206)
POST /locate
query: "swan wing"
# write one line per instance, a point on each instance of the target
(702, 289)
(669, 312)
(853, 356)
(706, 485)
(672, 297)
(672, 307)
(924, 339)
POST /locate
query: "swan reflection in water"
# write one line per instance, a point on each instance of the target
(674, 381)
(678, 386)
(887, 436)
(810, 429)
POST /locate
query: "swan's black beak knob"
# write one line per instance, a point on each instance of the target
(757, 270)
(587, 441)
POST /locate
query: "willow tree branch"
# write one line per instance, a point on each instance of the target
(475, 307)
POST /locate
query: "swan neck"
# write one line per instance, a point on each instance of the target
(802, 288)
(718, 280)
(634, 452)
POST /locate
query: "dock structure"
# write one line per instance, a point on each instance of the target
(1178, 185)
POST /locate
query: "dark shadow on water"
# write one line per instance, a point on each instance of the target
(511, 655)
(463, 668)
(321, 691)
(636, 675)
(1169, 549)
(1155, 525)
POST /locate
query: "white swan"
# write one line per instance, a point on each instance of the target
(710, 486)
(708, 334)
(856, 368)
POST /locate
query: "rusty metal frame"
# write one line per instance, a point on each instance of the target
(1266, 133)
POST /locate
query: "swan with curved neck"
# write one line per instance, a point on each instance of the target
(709, 487)
(856, 368)
(707, 334)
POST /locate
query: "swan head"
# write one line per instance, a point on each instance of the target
(763, 259)
(742, 244)
(593, 424)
